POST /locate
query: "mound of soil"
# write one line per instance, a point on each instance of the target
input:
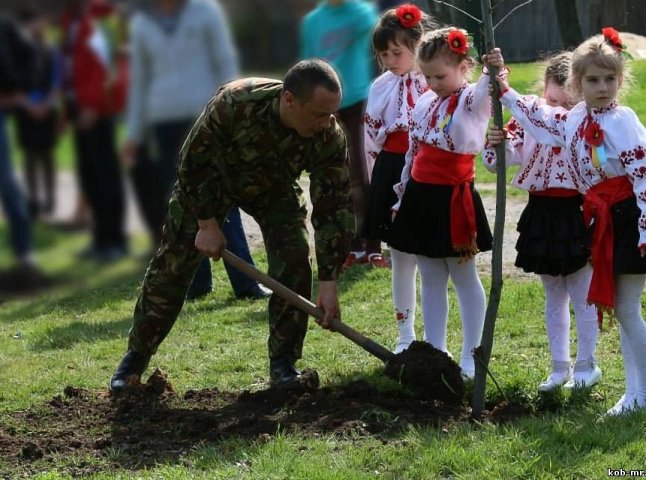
(429, 371)
(84, 432)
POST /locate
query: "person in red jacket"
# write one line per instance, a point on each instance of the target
(93, 97)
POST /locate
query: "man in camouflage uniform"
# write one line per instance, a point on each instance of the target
(248, 148)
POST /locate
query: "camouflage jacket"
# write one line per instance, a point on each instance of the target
(239, 149)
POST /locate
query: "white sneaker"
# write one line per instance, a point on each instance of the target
(554, 381)
(561, 373)
(627, 403)
(586, 374)
(468, 367)
(402, 345)
(468, 375)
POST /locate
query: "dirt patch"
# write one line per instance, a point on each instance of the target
(83, 432)
(428, 371)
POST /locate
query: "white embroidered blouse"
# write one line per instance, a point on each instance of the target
(540, 166)
(624, 142)
(389, 109)
(464, 133)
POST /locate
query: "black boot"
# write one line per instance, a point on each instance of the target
(132, 364)
(282, 370)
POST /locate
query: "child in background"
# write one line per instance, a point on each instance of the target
(440, 217)
(388, 114)
(606, 149)
(338, 31)
(551, 242)
(37, 116)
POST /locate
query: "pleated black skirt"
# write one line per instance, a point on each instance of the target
(381, 196)
(552, 236)
(422, 225)
(626, 257)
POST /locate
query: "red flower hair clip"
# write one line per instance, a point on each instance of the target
(612, 37)
(409, 15)
(458, 42)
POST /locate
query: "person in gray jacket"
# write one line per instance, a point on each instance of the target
(181, 52)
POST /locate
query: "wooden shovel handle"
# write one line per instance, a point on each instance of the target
(308, 307)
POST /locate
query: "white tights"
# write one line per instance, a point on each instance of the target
(435, 274)
(628, 310)
(404, 275)
(559, 291)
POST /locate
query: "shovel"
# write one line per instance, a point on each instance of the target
(421, 367)
(308, 307)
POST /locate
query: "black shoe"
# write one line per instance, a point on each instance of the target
(257, 292)
(132, 364)
(281, 371)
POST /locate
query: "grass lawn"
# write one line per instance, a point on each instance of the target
(75, 334)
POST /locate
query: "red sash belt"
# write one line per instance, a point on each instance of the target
(596, 210)
(436, 166)
(556, 192)
(396, 142)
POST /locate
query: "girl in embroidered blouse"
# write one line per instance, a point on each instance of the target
(605, 147)
(551, 231)
(388, 114)
(440, 217)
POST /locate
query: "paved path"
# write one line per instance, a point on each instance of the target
(67, 194)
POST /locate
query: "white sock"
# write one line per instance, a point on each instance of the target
(471, 297)
(404, 273)
(587, 328)
(434, 275)
(557, 317)
(632, 378)
(629, 289)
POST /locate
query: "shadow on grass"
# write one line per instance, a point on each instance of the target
(79, 332)
(79, 286)
(87, 331)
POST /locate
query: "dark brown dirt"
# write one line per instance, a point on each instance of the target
(428, 371)
(83, 432)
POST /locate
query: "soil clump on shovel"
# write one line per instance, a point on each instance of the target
(427, 371)
(421, 367)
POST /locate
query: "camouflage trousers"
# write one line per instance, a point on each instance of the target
(281, 215)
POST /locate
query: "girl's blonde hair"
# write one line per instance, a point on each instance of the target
(594, 51)
(390, 29)
(436, 43)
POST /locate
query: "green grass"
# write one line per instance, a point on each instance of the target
(76, 333)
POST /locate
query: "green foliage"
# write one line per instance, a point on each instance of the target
(75, 335)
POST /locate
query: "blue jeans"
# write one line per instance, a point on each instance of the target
(13, 199)
(237, 244)
(169, 137)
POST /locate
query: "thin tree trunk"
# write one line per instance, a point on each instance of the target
(482, 354)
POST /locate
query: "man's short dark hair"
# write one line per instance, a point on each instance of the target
(303, 78)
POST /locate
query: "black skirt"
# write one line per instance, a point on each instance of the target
(381, 196)
(422, 225)
(626, 257)
(552, 236)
